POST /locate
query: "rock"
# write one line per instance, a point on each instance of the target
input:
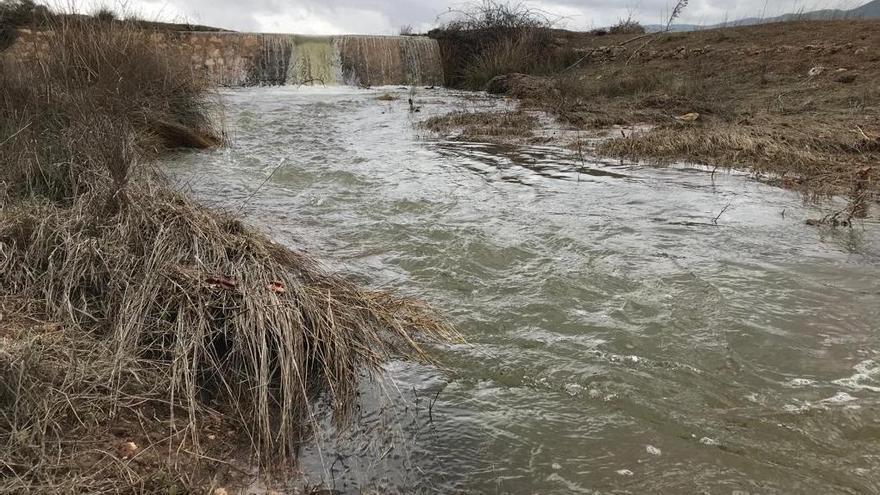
(499, 85)
(519, 85)
(815, 71)
(127, 449)
(846, 77)
(688, 117)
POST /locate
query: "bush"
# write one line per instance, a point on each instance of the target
(104, 14)
(492, 38)
(16, 14)
(524, 53)
(496, 16)
(627, 26)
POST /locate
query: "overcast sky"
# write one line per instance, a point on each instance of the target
(387, 16)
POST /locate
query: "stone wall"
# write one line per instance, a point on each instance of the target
(248, 59)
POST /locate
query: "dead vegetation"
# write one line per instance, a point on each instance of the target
(16, 14)
(484, 126)
(627, 26)
(796, 101)
(149, 344)
(486, 39)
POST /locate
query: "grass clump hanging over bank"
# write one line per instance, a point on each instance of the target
(147, 343)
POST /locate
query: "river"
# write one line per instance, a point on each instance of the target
(619, 340)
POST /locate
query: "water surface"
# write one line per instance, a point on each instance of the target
(619, 340)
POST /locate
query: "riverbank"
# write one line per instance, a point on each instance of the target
(796, 102)
(150, 344)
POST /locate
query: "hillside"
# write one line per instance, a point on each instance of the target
(868, 11)
(871, 9)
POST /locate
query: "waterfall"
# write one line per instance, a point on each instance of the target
(385, 60)
(314, 60)
(240, 59)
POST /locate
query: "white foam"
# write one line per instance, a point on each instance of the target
(840, 398)
(864, 378)
(801, 382)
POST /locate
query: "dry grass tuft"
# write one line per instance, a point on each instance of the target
(484, 126)
(824, 160)
(627, 26)
(181, 339)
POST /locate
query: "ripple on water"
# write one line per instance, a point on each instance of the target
(619, 339)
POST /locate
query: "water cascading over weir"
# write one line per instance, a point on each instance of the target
(244, 59)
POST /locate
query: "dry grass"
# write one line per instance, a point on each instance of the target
(797, 100)
(823, 160)
(627, 26)
(517, 53)
(175, 327)
(19, 13)
(484, 126)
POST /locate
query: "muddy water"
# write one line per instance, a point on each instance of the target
(619, 341)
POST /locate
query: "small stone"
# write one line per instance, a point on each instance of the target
(624, 472)
(220, 491)
(128, 449)
(688, 117)
(556, 466)
(653, 450)
(847, 77)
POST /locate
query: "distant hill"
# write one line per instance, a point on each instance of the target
(870, 10)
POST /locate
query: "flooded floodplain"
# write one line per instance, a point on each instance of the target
(622, 337)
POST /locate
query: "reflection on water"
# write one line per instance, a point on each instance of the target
(619, 339)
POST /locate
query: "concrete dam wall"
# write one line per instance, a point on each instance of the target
(251, 59)
(236, 59)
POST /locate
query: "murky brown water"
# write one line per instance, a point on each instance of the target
(619, 341)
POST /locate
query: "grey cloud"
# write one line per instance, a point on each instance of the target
(383, 16)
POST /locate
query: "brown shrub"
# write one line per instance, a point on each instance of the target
(489, 39)
(475, 126)
(627, 26)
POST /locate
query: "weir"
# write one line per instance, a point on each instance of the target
(243, 59)
(253, 59)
